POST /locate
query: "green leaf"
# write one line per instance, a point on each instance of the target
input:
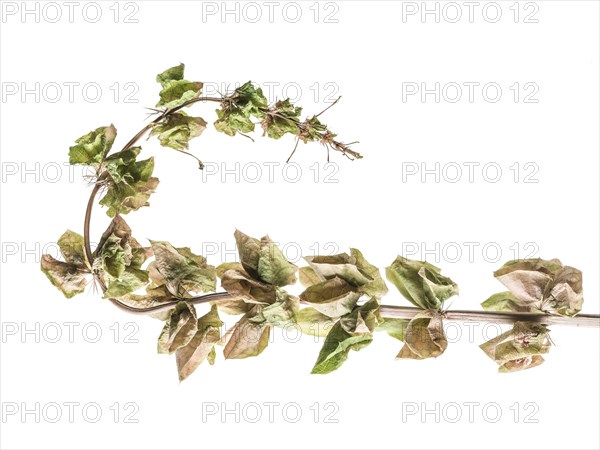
(312, 322)
(124, 167)
(396, 328)
(249, 336)
(263, 261)
(233, 121)
(130, 184)
(181, 270)
(174, 73)
(250, 99)
(179, 330)
(176, 130)
(175, 90)
(519, 348)
(281, 119)
(238, 109)
(334, 297)
(421, 283)
(113, 257)
(201, 346)
(507, 302)
(72, 247)
(212, 355)
(351, 332)
(273, 267)
(91, 148)
(336, 348)
(424, 337)
(545, 285)
(70, 278)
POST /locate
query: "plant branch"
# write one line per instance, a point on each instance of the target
(580, 320)
(406, 312)
(389, 311)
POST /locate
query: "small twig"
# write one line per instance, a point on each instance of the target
(337, 100)
(293, 151)
(200, 163)
(246, 136)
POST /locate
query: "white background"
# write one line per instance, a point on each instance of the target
(369, 53)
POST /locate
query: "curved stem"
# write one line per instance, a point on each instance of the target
(104, 175)
(214, 297)
(88, 218)
(166, 113)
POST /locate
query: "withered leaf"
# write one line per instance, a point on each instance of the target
(181, 270)
(421, 283)
(177, 129)
(130, 182)
(545, 285)
(354, 269)
(249, 336)
(281, 118)
(424, 337)
(175, 90)
(341, 265)
(519, 348)
(263, 261)
(91, 148)
(507, 302)
(333, 297)
(273, 267)
(201, 346)
(240, 285)
(352, 332)
(120, 256)
(308, 276)
(237, 110)
(179, 329)
(312, 322)
(72, 275)
(71, 246)
(396, 328)
(233, 307)
(70, 279)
